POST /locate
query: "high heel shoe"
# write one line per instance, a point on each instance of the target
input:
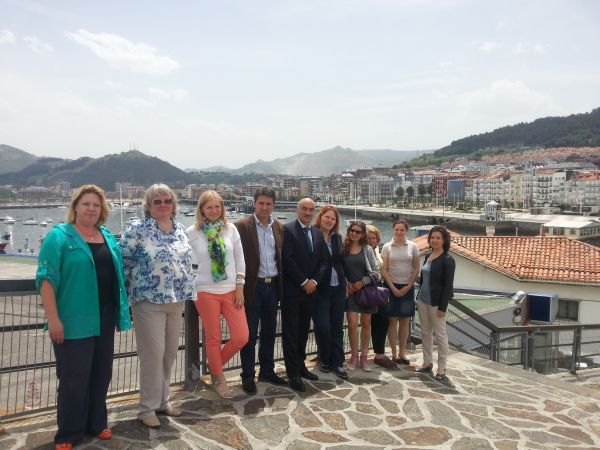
(426, 369)
(364, 363)
(352, 362)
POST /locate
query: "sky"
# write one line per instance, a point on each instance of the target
(207, 83)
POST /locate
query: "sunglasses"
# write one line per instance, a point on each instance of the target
(166, 201)
(354, 231)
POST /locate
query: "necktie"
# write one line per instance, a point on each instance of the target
(308, 240)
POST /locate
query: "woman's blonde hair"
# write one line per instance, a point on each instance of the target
(154, 191)
(206, 197)
(373, 229)
(80, 192)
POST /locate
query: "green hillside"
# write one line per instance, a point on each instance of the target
(576, 130)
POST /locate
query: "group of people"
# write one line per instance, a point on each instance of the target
(245, 272)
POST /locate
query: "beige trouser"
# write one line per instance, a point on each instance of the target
(157, 331)
(431, 323)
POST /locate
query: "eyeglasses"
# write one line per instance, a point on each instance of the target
(166, 201)
(354, 231)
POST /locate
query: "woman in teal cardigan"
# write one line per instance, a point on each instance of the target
(80, 279)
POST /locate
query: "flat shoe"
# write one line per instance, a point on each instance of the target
(151, 422)
(385, 362)
(222, 390)
(401, 360)
(426, 369)
(171, 411)
(104, 435)
(441, 377)
(63, 446)
(273, 379)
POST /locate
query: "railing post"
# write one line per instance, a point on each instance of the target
(192, 346)
(530, 350)
(495, 346)
(576, 349)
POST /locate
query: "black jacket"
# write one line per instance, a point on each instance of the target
(441, 280)
(333, 261)
(298, 262)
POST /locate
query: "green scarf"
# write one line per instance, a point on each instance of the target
(216, 249)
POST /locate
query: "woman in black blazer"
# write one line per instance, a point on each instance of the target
(437, 284)
(329, 312)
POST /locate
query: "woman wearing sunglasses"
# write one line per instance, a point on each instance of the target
(158, 263)
(359, 273)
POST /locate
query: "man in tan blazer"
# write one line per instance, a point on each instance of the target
(262, 240)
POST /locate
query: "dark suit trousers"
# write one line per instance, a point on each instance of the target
(296, 313)
(263, 311)
(84, 371)
(329, 325)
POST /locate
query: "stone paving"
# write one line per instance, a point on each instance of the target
(484, 406)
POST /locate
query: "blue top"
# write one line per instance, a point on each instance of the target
(266, 249)
(425, 293)
(66, 261)
(157, 264)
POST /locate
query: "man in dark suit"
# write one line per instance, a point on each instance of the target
(303, 267)
(261, 239)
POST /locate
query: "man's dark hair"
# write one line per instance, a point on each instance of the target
(264, 191)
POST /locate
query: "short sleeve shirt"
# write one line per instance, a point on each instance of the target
(400, 260)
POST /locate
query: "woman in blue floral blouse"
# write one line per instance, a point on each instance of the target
(158, 263)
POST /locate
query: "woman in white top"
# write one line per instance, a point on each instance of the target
(400, 270)
(219, 284)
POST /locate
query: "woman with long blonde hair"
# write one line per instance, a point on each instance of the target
(219, 284)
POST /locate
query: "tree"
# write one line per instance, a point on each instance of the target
(400, 192)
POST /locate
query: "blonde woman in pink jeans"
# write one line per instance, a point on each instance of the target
(219, 284)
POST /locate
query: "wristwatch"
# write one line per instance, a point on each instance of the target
(241, 281)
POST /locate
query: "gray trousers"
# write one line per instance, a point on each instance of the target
(431, 323)
(157, 331)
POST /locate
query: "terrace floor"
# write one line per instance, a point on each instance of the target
(485, 406)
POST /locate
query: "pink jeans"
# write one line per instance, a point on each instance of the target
(210, 307)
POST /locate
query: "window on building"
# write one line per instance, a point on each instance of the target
(568, 309)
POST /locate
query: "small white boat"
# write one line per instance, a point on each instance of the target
(43, 223)
(282, 217)
(189, 214)
(9, 220)
(133, 220)
(30, 221)
(48, 220)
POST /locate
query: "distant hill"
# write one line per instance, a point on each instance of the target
(576, 130)
(132, 166)
(13, 159)
(327, 162)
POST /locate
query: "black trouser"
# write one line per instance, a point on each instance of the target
(379, 328)
(263, 310)
(295, 324)
(84, 371)
(329, 325)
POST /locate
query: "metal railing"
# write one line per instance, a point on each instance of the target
(27, 365)
(542, 348)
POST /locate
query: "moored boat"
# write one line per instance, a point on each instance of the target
(30, 221)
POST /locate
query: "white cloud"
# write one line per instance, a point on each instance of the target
(176, 95)
(37, 45)
(74, 105)
(115, 84)
(504, 102)
(529, 47)
(124, 54)
(489, 46)
(7, 37)
(486, 46)
(138, 102)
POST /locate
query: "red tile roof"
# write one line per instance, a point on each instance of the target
(527, 258)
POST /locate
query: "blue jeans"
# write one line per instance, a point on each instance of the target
(329, 322)
(263, 311)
